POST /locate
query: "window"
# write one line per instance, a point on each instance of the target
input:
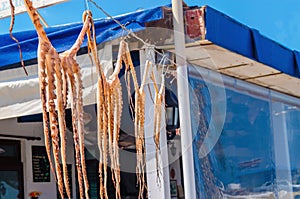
(256, 152)
(11, 173)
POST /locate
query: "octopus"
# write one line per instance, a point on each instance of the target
(59, 73)
(139, 118)
(139, 115)
(109, 111)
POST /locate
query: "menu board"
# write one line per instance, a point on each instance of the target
(40, 164)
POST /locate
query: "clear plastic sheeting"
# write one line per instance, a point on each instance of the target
(292, 116)
(256, 154)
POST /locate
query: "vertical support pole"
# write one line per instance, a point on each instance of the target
(281, 148)
(183, 101)
(157, 188)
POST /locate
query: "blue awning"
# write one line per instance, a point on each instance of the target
(106, 29)
(220, 29)
(234, 36)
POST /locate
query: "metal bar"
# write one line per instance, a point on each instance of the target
(42, 19)
(21, 137)
(184, 101)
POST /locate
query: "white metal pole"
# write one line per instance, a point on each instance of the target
(183, 102)
(155, 190)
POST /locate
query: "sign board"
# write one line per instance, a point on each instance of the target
(40, 164)
(5, 10)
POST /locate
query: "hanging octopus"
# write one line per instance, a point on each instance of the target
(102, 116)
(56, 73)
(139, 118)
(109, 111)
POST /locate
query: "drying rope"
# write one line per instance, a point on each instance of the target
(86, 5)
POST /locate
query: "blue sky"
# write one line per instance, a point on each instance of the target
(276, 19)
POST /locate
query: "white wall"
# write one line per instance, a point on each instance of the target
(174, 164)
(48, 189)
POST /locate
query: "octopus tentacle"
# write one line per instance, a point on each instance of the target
(101, 125)
(110, 130)
(101, 114)
(76, 46)
(139, 119)
(61, 120)
(116, 100)
(138, 141)
(156, 137)
(43, 49)
(36, 21)
(142, 120)
(50, 63)
(64, 83)
(142, 135)
(158, 105)
(125, 53)
(118, 112)
(104, 141)
(105, 149)
(102, 119)
(12, 22)
(75, 125)
(77, 74)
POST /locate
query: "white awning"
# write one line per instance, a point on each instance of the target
(20, 93)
